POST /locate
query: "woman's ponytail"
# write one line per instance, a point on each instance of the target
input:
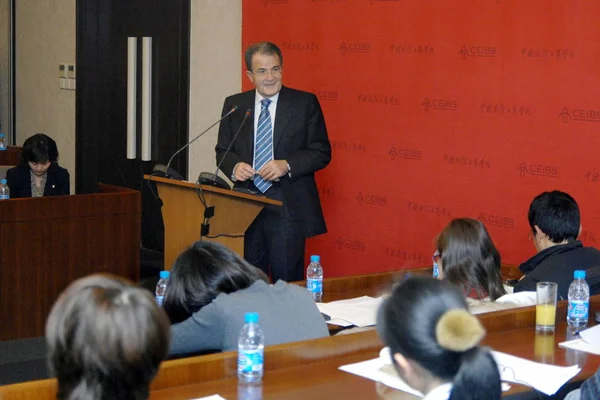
(477, 377)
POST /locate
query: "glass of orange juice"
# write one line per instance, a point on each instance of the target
(545, 311)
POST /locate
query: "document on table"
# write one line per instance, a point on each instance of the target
(360, 311)
(213, 397)
(382, 371)
(589, 342)
(545, 378)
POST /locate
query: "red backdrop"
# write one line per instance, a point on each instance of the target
(438, 110)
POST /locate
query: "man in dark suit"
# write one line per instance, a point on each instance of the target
(276, 153)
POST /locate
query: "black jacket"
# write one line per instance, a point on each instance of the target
(299, 136)
(557, 264)
(19, 181)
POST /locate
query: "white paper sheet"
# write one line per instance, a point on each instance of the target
(592, 336)
(581, 345)
(213, 397)
(377, 370)
(545, 378)
(381, 370)
(360, 311)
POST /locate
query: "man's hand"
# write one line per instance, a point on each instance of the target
(243, 172)
(274, 169)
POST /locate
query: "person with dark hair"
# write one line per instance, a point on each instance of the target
(434, 342)
(469, 260)
(39, 173)
(106, 339)
(211, 288)
(276, 154)
(555, 225)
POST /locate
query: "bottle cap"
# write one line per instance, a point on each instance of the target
(251, 317)
(164, 274)
(315, 258)
(3, 181)
(579, 274)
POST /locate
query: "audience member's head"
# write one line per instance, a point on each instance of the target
(433, 340)
(554, 219)
(201, 273)
(106, 339)
(469, 259)
(39, 149)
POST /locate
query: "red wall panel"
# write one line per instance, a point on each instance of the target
(438, 110)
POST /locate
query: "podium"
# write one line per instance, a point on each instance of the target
(183, 214)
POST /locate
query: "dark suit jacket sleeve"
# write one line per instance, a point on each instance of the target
(527, 284)
(226, 132)
(63, 187)
(317, 152)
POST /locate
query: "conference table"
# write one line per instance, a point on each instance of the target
(310, 369)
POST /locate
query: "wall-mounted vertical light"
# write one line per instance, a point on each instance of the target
(131, 96)
(146, 98)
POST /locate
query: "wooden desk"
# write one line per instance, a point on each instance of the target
(376, 284)
(49, 242)
(309, 370)
(316, 361)
(11, 156)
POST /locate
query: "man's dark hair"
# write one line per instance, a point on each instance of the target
(263, 48)
(556, 214)
(39, 148)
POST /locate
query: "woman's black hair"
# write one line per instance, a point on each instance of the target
(201, 273)
(39, 148)
(469, 258)
(407, 323)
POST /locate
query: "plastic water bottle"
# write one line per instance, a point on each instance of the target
(251, 346)
(579, 301)
(4, 191)
(314, 278)
(161, 287)
(2, 142)
(250, 391)
(436, 268)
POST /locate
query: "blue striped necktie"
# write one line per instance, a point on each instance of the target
(263, 148)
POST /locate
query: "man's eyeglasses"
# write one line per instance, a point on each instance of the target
(275, 71)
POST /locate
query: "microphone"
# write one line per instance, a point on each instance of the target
(169, 172)
(206, 178)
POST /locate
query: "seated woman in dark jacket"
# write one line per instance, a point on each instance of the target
(39, 173)
(210, 290)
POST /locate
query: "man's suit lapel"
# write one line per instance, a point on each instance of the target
(246, 136)
(282, 115)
